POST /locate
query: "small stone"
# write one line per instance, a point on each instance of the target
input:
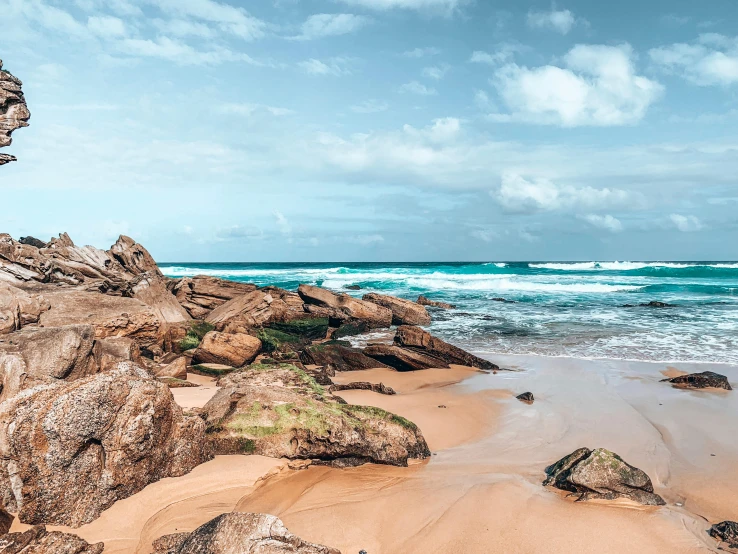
(441, 406)
(526, 397)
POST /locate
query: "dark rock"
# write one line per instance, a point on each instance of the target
(423, 301)
(404, 312)
(706, 379)
(526, 397)
(238, 532)
(601, 474)
(37, 540)
(499, 299)
(339, 356)
(350, 328)
(403, 359)
(422, 341)
(375, 315)
(6, 521)
(32, 241)
(352, 287)
(651, 304)
(727, 532)
(362, 385)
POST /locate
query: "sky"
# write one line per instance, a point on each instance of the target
(377, 130)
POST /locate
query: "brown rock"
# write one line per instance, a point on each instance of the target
(403, 359)
(421, 340)
(340, 357)
(234, 350)
(68, 451)
(14, 112)
(109, 352)
(245, 311)
(377, 316)
(237, 533)
(133, 257)
(177, 369)
(704, 380)
(6, 520)
(18, 308)
(37, 540)
(150, 288)
(379, 388)
(404, 312)
(201, 294)
(423, 301)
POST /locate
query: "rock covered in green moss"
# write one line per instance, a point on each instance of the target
(280, 411)
(601, 474)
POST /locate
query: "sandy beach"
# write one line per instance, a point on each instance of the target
(481, 489)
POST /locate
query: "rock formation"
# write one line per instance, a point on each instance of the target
(37, 540)
(404, 312)
(14, 112)
(18, 308)
(234, 350)
(6, 521)
(704, 380)
(727, 532)
(238, 532)
(69, 450)
(338, 356)
(200, 295)
(379, 388)
(376, 316)
(176, 369)
(423, 301)
(601, 474)
(280, 411)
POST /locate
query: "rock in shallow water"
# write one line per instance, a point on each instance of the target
(704, 380)
(601, 474)
(423, 301)
(404, 312)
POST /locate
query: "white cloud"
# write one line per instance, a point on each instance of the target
(485, 235)
(685, 223)
(443, 130)
(604, 222)
(367, 240)
(421, 52)
(332, 66)
(184, 28)
(561, 21)
(520, 195)
(441, 6)
(370, 106)
(597, 86)
(106, 26)
(248, 110)
(282, 223)
(436, 72)
(503, 53)
(180, 52)
(414, 87)
(331, 24)
(711, 60)
(481, 99)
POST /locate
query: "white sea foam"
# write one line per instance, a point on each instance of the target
(624, 266)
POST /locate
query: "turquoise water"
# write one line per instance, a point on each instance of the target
(559, 309)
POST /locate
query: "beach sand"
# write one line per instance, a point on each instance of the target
(480, 491)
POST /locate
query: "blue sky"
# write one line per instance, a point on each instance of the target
(352, 130)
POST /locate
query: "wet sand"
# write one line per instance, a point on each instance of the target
(480, 491)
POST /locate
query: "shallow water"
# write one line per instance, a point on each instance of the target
(559, 309)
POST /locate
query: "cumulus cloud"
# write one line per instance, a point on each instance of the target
(181, 53)
(503, 53)
(711, 60)
(332, 66)
(561, 21)
(520, 195)
(106, 26)
(597, 86)
(604, 222)
(436, 72)
(414, 87)
(685, 223)
(331, 24)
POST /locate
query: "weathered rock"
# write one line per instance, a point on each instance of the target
(379, 388)
(704, 380)
(526, 397)
(110, 351)
(243, 312)
(234, 350)
(151, 289)
(133, 257)
(280, 411)
(727, 532)
(201, 294)
(14, 112)
(340, 357)
(601, 474)
(18, 308)
(237, 533)
(37, 540)
(403, 359)
(6, 521)
(404, 312)
(69, 450)
(423, 301)
(350, 328)
(177, 369)
(33, 241)
(376, 316)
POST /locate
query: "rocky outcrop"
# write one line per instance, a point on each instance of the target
(726, 532)
(350, 328)
(37, 540)
(14, 112)
(233, 350)
(404, 312)
(376, 316)
(69, 450)
(177, 369)
(601, 474)
(423, 301)
(18, 308)
(280, 411)
(201, 294)
(704, 380)
(243, 312)
(6, 521)
(526, 397)
(109, 352)
(338, 356)
(238, 532)
(414, 348)
(379, 388)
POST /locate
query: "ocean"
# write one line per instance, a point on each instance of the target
(555, 309)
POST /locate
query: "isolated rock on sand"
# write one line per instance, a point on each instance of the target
(376, 316)
(177, 369)
(526, 397)
(238, 532)
(200, 295)
(280, 411)
(234, 350)
(14, 112)
(18, 308)
(423, 301)
(404, 312)
(340, 357)
(379, 388)
(704, 380)
(601, 474)
(69, 451)
(727, 532)
(37, 540)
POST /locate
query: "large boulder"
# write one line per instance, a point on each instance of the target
(340, 357)
(242, 312)
(280, 411)
(14, 112)
(422, 341)
(176, 369)
(18, 308)
(237, 533)
(201, 294)
(151, 289)
(727, 532)
(37, 540)
(404, 312)
(375, 315)
(109, 352)
(70, 450)
(704, 380)
(234, 350)
(601, 474)
(402, 359)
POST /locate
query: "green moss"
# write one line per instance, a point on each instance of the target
(306, 379)
(195, 334)
(379, 413)
(283, 417)
(273, 339)
(188, 343)
(309, 328)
